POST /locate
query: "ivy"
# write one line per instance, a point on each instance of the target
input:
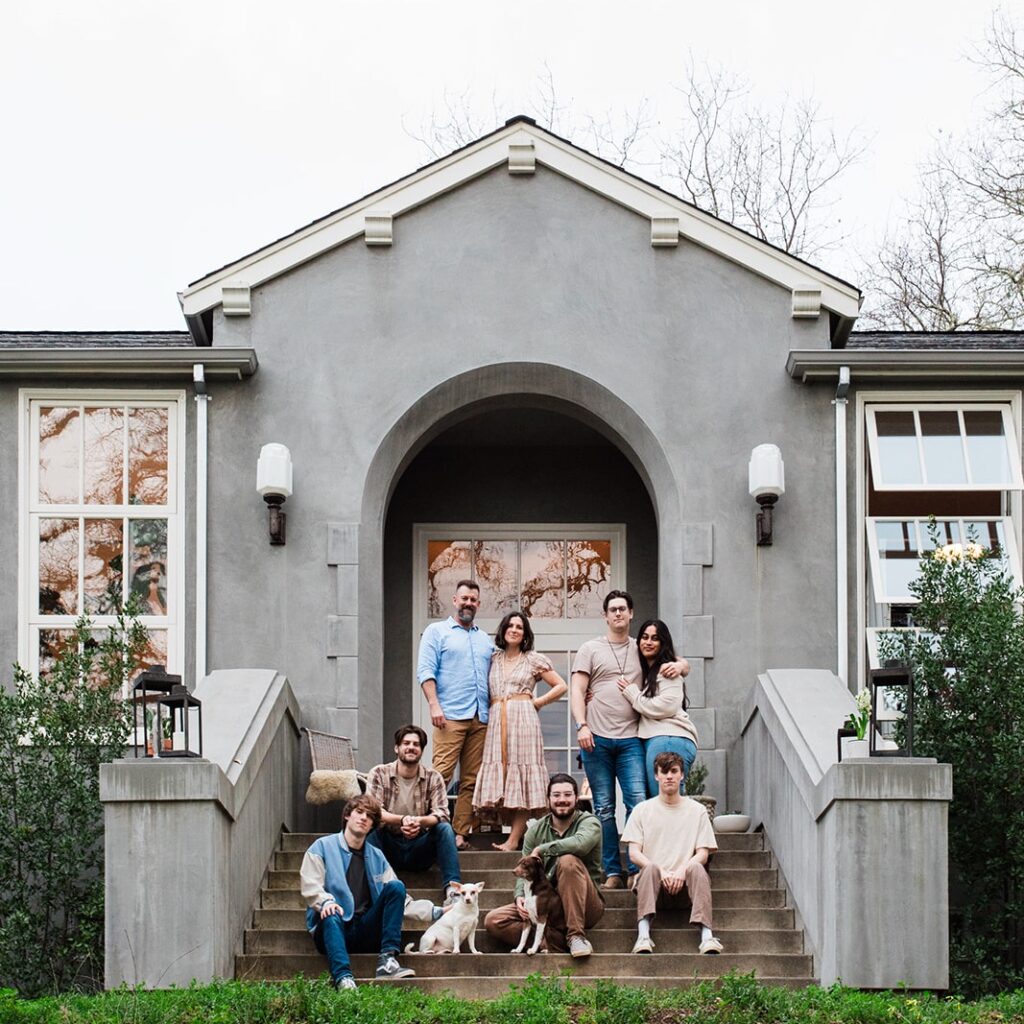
(968, 676)
(55, 731)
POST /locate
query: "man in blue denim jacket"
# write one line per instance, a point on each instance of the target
(356, 902)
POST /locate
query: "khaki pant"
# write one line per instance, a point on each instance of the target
(579, 907)
(650, 893)
(461, 744)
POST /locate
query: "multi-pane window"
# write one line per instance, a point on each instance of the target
(103, 521)
(956, 462)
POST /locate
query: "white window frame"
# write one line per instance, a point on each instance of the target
(1016, 483)
(921, 530)
(30, 512)
(920, 397)
(873, 635)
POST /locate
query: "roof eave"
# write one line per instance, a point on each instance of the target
(169, 363)
(821, 366)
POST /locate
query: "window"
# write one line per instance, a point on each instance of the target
(102, 521)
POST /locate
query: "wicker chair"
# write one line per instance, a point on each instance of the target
(328, 752)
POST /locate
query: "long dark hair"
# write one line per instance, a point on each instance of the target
(499, 637)
(665, 655)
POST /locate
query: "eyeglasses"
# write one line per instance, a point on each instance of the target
(618, 611)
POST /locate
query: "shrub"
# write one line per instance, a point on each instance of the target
(55, 731)
(968, 671)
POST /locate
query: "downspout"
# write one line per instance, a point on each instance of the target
(842, 540)
(202, 455)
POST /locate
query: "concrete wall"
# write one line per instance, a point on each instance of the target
(862, 844)
(187, 841)
(517, 287)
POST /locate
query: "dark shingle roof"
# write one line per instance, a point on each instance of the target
(95, 339)
(936, 340)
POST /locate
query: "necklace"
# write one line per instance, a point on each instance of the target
(621, 665)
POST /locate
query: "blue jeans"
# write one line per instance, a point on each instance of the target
(608, 761)
(681, 745)
(434, 846)
(379, 930)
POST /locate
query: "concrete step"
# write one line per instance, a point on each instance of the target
(614, 917)
(290, 899)
(300, 841)
(473, 863)
(607, 940)
(674, 966)
(721, 878)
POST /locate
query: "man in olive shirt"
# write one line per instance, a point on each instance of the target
(568, 841)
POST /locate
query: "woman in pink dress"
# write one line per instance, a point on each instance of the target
(513, 778)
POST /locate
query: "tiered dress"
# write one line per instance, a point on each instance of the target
(522, 783)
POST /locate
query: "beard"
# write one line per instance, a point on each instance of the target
(466, 614)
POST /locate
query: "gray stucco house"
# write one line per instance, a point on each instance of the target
(522, 363)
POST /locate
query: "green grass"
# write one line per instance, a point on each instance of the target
(737, 1000)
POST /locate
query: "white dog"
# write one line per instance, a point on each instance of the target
(458, 924)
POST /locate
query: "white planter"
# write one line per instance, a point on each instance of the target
(732, 822)
(853, 748)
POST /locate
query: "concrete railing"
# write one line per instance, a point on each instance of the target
(188, 841)
(861, 844)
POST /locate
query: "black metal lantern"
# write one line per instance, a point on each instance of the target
(149, 687)
(892, 713)
(181, 735)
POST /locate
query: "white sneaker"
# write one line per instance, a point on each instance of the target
(711, 945)
(643, 945)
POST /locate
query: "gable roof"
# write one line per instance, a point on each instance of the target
(522, 144)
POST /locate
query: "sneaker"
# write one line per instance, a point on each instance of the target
(643, 945)
(711, 945)
(579, 947)
(613, 882)
(389, 967)
(345, 983)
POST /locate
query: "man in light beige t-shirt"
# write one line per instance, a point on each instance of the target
(670, 839)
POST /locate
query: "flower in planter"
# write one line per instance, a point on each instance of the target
(859, 719)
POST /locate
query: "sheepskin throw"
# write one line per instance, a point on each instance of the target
(327, 786)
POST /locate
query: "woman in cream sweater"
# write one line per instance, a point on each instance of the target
(660, 702)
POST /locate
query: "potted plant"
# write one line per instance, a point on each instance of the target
(166, 727)
(695, 779)
(734, 821)
(856, 726)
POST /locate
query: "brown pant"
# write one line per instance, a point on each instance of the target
(461, 743)
(650, 893)
(579, 906)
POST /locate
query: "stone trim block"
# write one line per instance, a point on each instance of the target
(347, 588)
(704, 720)
(696, 695)
(342, 543)
(698, 544)
(693, 590)
(342, 636)
(698, 636)
(342, 722)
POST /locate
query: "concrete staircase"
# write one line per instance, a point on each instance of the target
(752, 919)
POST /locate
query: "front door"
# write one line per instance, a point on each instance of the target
(558, 575)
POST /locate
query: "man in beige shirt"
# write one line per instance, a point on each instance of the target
(670, 839)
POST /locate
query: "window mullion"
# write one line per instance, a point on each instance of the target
(963, 445)
(920, 447)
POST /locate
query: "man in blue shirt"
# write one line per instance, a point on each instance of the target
(453, 667)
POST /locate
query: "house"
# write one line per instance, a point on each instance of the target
(520, 363)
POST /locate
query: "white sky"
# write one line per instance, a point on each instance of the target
(147, 143)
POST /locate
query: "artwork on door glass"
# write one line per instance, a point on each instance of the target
(103, 473)
(147, 464)
(58, 566)
(448, 561)
(59, 442)
(587, 577)
(495, 569)
(148, 553)
(543, 586)
(103, 566)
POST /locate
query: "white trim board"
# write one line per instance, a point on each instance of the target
(556, 154)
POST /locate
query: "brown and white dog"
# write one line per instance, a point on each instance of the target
(539, 896)
(457, 925)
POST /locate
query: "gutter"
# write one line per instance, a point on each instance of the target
(814, 365)
(127, 361)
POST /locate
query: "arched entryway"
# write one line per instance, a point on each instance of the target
(515, 447)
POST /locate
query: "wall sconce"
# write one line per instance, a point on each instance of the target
(274, 483)
(767, 477)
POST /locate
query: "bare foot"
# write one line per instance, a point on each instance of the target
(506, 847)
(461, 843)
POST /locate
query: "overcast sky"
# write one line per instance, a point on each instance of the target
(145, 144)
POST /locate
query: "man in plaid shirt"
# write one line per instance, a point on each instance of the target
(414, 832)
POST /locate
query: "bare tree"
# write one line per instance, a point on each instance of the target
(769, 171)
(955, 261)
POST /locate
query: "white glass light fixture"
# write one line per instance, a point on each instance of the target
(274, 484)
(767, 479)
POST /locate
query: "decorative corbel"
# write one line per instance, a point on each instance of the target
(522, 157)
(236, 299)
(664, 231)
(377, 229)
(806, 303)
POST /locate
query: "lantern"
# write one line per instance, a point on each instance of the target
(892, 713)
(181, 723)
(149, 687)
